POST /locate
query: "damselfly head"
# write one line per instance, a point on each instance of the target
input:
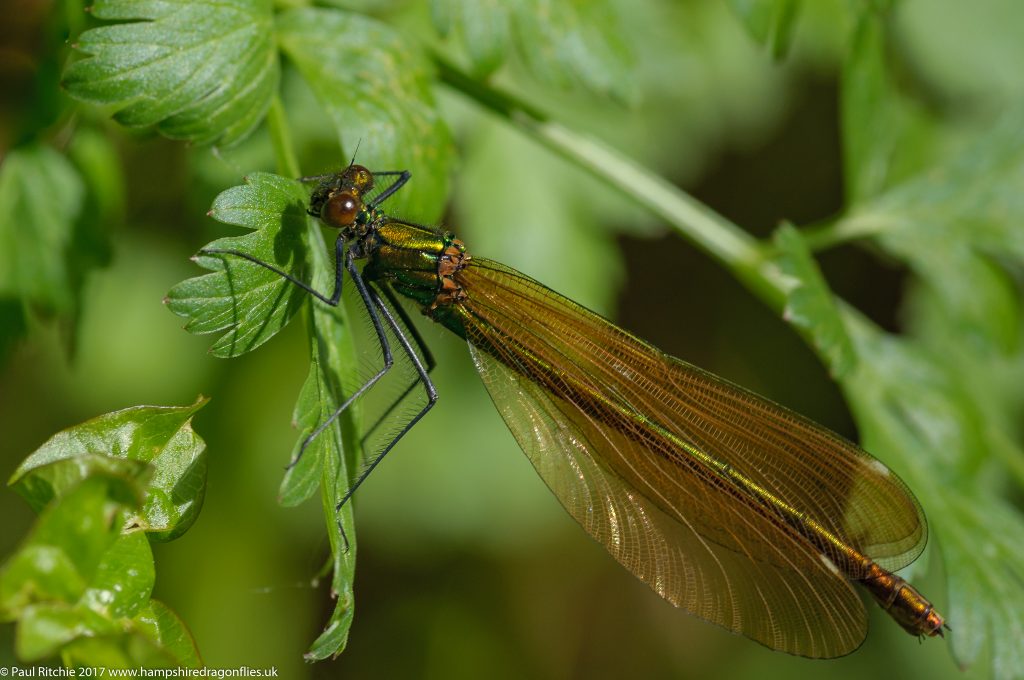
(339, 198)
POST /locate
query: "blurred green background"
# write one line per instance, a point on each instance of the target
(468, 567)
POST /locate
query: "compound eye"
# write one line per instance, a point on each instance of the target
(341, 210)
(361, 178)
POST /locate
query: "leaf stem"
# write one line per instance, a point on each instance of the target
(714, 234)
(281, 138)
(850, 228)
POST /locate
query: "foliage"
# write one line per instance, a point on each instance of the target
(80, 585)
(927, 184)
(201, 71)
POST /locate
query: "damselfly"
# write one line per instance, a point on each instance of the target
(728, 505)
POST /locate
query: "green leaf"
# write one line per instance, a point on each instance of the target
(916, 411)
(769, 22)
(120, 587)
(156, 638)
(80, 584)
(974, 195)
(29, 117)
(250, 302)
(41, 197)
(44, 628)
(483, 28)
(197, 69)
(810, 305)
(124, 580)
(38, 571)
(575, 44)
(56, 467)
(872, 120)
(984, 557)
(84, 638)
(167, 631)
(930, 403)
(333, 365)
(963, 217)
(13, 325)
(99, 164)
(885, 136)
(254, 303)
(377, 93)
(303, 478)
(330, 459)
(566, 44)
(939, 403)
(67, 546)
(135, 443)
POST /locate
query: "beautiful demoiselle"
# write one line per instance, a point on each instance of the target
(728, 505)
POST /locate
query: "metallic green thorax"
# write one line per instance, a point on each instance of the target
(405, 255)
(411, 257)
